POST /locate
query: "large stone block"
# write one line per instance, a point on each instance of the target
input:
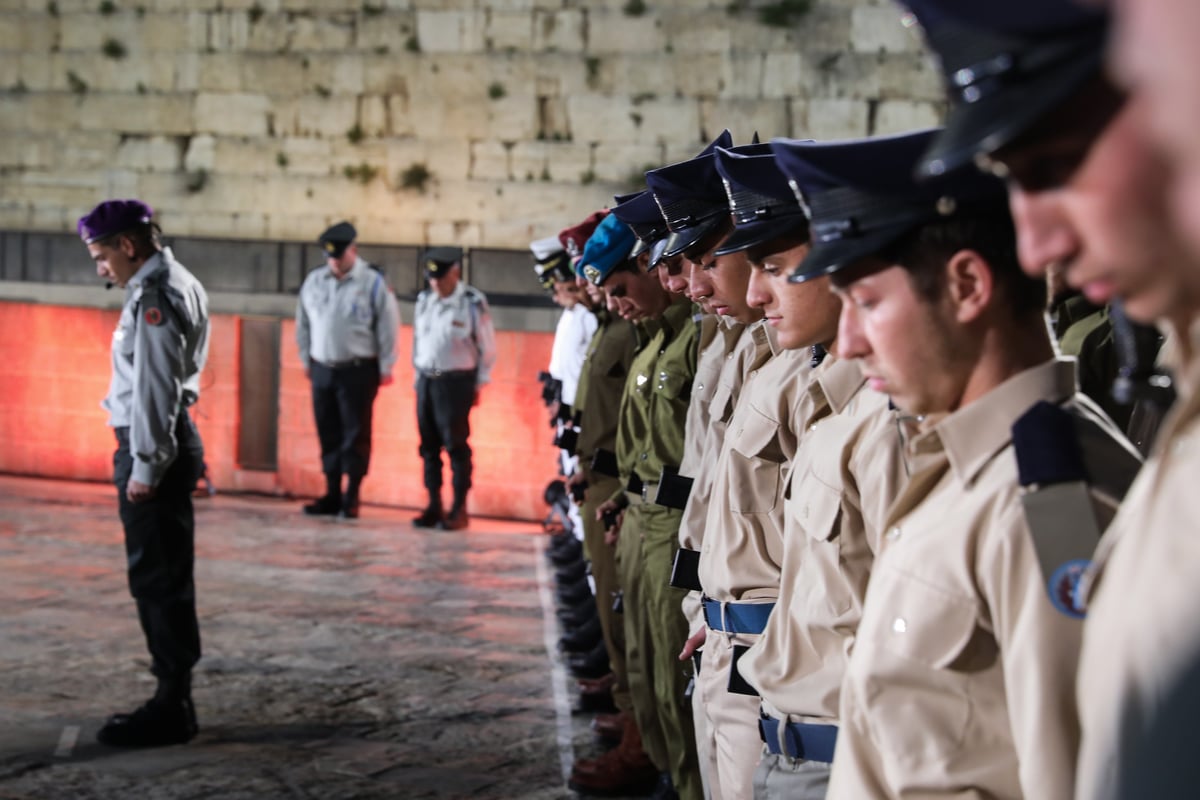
(610, 33)
(325, 33)
(150, 154)
(443, 161)
(910, 76)
(508, 29)
(215, 73)
(820, 118)
(625, 164)
(562, 30)
(744, 117)
(433, 118)
(783, 75)
(490, 160)
(569, 163)
(302, 156)
(201, 154)
(694, 33)
(742, 75)
(239, 114)
(387, 32)
(898, 116)
(450, 31)
(313, 115)
(152, 113)
(878, 29)
(512, 117)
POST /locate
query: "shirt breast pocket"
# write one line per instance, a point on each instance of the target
(819, 514)
(674, 385)
(721, 408)
(756, 465)
(918, 636)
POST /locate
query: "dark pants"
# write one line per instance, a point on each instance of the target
(443, 419)
(160, 553)
(343, 399)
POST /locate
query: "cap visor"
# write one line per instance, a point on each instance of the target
(639, 247)
(755, 233)
(997, 120)
(826, 258)
(686, 237)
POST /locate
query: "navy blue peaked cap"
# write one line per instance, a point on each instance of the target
(863, 196)
(691, 197)
(641, 214)
(1006, 66)
(760, 198)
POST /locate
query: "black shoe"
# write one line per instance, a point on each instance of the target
(429, 518)
(665, 790)
(572, 572)
(573, 594)
(583, 638)
(591, 664)
(349, 512)
(572, 619)
(325, 506)
(456, 520)
(157, 723)
(565, 555)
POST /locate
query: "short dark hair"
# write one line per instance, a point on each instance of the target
(924, 252)
(145, 238)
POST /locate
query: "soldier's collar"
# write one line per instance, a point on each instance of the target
(840, 379)
(152, 265)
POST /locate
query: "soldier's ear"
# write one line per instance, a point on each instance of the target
(970, 285)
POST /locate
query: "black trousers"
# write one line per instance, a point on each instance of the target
(343, 401)
(160, 553)
(443, 420)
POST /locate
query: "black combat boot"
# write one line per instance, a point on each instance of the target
(165, 719)
(349, 508)
(431, 517)
(331, 502)
(457, 518)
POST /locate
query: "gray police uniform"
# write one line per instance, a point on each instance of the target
(346, 330)
(454, 349)
(158, 350)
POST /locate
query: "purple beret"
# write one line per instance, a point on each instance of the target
(113, 217)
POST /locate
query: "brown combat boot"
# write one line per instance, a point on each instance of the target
(625, 770)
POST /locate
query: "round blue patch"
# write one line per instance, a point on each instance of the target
(1063, 587)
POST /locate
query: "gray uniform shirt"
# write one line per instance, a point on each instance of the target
(158, 350)
(340, 320)
(454, 333)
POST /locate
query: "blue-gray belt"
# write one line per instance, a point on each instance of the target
(736, 617)
(350, 363)
(809, 742)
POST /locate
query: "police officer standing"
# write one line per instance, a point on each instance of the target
(346, 325)
(454, 349)
(158, 350)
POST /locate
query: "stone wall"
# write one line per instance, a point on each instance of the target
(487, 124)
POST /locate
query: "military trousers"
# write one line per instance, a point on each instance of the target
(343, 401)
(608, 585)
(160, 553)
(655, 632)
(730, 719)
(443, 422)
(781, 778)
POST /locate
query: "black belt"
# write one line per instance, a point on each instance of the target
(435, 374)
(349, 363)
(798, 740)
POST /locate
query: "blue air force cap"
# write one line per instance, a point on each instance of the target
(440, 260)
(691, 197)
(112, 217)
(642, 215)
(760, 198)
(1006, 66)
(336, 238)
(608, 248)
(863, 196)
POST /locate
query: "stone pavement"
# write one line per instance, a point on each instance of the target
(362, 659)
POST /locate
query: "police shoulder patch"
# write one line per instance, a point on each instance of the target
(153, 316)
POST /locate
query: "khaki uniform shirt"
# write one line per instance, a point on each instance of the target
(598, 397)
(655, 402)
(729, 358)
(961, 682)
(159, 348)
(1141, 619)
(743, 546)
(848, 470)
